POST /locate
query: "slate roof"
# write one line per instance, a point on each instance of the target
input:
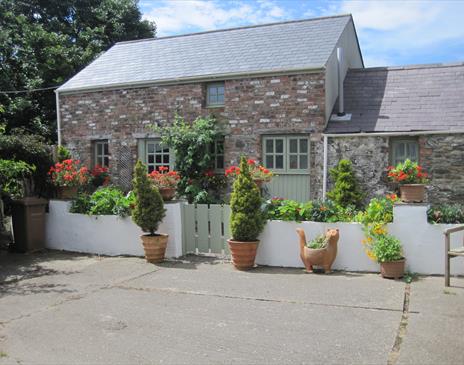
(403, 99)
(273, 47)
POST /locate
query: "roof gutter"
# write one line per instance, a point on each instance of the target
(390, 134)
(58, 117)
(193, 79)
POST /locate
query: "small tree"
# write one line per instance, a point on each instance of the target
(346, 190)
(194, 162)
(149, 209)
(246, 220)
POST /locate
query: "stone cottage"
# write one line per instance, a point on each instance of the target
(274, 89)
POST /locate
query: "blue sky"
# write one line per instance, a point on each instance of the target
(391, 32)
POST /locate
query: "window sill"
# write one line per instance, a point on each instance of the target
(214, 106)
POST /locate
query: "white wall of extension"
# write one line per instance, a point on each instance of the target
(423, 243)
(106, 234)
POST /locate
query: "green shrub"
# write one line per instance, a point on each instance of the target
(149, 209)
(33, 150)
(323, 211)
(192, 143)
(446, 213)
(80, 204)
(104, 201)
(346, 191)
(246, 220)
(318, 211)
(379, 210)
(62, 153)
(12, 177)
(387, 248)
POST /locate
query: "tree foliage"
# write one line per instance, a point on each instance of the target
(346, 191)
(149, 209)
(191, 143)
(246, 219)
(45, 42)
(12, 176)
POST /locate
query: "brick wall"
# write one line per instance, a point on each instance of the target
(442, 156)
(253, 107)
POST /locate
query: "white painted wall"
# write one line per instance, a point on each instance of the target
(106, 234)
(423, 243)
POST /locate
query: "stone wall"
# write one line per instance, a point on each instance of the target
(253, 107)
(442, 156)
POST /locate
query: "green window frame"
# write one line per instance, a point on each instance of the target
(287, 154)
(154, 154)
(217, 155)
(215, 94)
(402, 149)
(101, 154)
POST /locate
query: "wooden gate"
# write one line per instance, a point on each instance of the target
(205, 228)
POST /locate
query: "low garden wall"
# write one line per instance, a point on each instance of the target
(423, 243)
(106, 234)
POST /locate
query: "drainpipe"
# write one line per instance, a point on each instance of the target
(58, 117)
(341, 101)
(324, 173)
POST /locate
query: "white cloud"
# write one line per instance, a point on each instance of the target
(181, 16)
(392, 31)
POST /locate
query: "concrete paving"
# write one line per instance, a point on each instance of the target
(61, 308)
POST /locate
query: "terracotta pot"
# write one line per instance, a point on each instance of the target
(155, 247)
(392, 269)
(67, 192)
(243, 254)
(167, 193)
(412, 193)
(323, 257)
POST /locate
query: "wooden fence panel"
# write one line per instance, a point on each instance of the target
(205, 228)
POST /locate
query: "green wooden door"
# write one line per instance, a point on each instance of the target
(288, 157)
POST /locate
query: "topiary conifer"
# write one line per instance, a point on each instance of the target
(346, 190)
(149, 207)
(246, 219)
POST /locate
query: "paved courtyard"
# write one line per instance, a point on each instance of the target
(62, 308)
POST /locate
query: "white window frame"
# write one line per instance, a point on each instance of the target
(99, 158)
(215, 85)
(394, 142)
(286, 153)
(143, 154)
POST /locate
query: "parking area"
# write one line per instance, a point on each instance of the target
(63, 308)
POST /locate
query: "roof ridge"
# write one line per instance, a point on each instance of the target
(236, 28)
(409, 67)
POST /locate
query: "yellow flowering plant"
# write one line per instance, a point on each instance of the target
(378, 244)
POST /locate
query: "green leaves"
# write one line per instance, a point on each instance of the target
(387, 248)
(191, 143)
(149, 207)
(44, 43)
(12, 176)
(246, 219)
(346, 190)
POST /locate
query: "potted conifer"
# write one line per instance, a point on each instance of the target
(148, 213)
(246, 219)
